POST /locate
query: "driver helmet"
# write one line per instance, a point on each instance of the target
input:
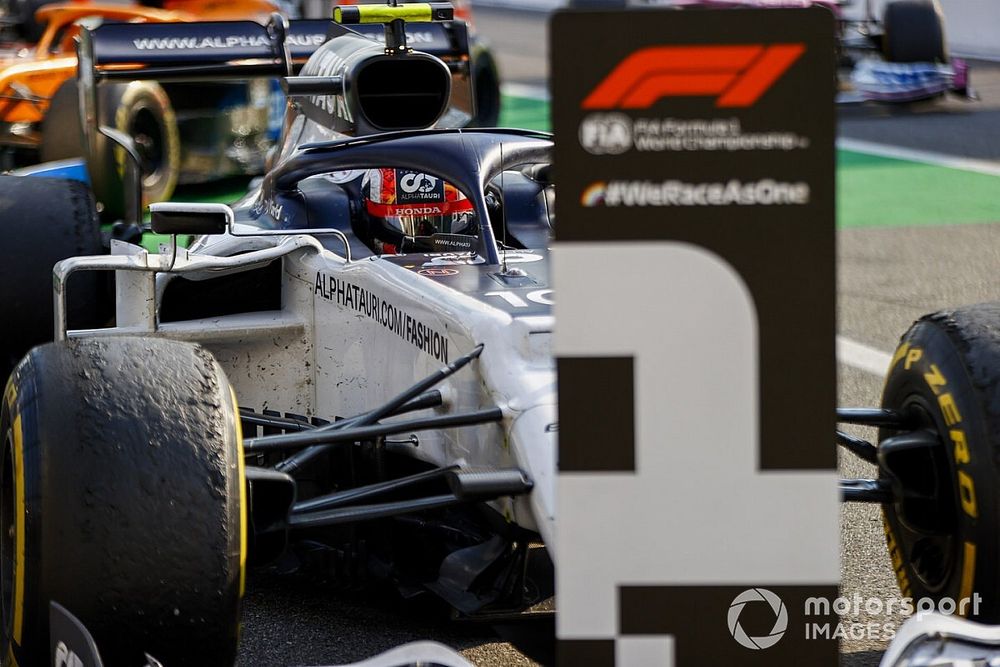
(405, 205)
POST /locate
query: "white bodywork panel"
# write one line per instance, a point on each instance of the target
(351, 335)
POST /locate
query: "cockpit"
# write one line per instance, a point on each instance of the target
(424, 192)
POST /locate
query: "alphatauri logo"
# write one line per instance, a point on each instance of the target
(416, 182)
(780, 618)
(736, 75)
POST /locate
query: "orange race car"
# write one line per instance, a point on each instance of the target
(184, 133)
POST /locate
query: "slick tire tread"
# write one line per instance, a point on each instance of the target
(132, 493)
(914, 32)
(45, 220)
(486, 84)
(963, 348)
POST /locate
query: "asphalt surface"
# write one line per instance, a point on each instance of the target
(887, 278)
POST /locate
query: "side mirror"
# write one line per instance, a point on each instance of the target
(199, 219)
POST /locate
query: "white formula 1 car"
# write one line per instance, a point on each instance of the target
(349, 370)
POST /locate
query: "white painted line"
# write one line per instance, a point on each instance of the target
(526, 91)
(858, 355)
(523, 5)
(988, 167)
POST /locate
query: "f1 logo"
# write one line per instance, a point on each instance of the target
(737, 74)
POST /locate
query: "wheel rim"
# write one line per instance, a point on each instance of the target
(932, 555)
(148, 134)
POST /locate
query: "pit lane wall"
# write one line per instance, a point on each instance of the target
(972, 25)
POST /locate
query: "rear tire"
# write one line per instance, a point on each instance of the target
(142, 110)
(45, 220)
(121, 496)
(914, 32)
(946, 375)
(486, 83)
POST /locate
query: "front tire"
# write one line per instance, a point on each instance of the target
(944, 536)
(121, 497)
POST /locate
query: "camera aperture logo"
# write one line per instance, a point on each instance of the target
(859, 618)
(780, 618)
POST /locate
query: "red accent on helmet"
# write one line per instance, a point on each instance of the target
(417, 210)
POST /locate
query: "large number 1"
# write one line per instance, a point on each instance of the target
(694, 508)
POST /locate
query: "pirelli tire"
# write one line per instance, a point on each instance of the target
(45, 220)
(913, 32)
(486, 84)
(946, 376)
(122, 494)
(142, 110)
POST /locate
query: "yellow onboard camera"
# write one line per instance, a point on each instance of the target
(394, 17)
(417, 12)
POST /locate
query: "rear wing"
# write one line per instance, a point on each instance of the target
(234, 50)
(198, 51)
(230, 50)
(238, 49)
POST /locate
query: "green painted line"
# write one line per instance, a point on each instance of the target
(524, 112)
(151, 242)
(872, 191)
